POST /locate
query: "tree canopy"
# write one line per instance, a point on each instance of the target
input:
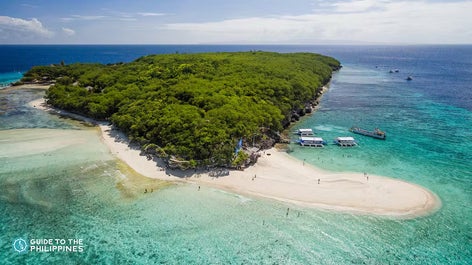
(191, 106)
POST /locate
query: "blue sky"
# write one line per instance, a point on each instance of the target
(236, 22)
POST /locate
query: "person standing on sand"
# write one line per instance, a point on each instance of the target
(318, 181)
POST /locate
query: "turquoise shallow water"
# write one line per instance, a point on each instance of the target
(77, 190)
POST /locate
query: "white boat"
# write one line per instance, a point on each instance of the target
(312, 141)
(305, 132)
(345, 141)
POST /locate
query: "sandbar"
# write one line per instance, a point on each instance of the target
(278, 176)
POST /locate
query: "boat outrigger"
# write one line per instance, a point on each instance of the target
(345, 141)
(377, 133)
(312, 141)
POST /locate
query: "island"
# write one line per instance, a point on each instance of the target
(193, 110)
(213, 119)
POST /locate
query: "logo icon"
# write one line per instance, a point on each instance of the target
(20, 245)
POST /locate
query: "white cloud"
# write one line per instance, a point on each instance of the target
(356, 20)
(355, 6)
(144, 14)
(17, 29)
(245, 30)
(82, 17)
(68, 31)
(127, 19)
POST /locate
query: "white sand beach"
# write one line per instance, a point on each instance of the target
(278, 176)
(28, 86)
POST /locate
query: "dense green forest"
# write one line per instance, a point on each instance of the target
(193, 107)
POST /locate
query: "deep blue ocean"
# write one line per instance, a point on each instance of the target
(79, 191)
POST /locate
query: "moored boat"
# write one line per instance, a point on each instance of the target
(377, 133)
(345, 141)
(305, 132)
(312, 141)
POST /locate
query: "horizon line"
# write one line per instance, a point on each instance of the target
(235, 44)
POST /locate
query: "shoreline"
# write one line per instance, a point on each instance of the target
(278, 176)
(26, 86)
